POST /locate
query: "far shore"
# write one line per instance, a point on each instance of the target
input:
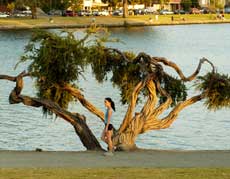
(84, 22)
(96, 159)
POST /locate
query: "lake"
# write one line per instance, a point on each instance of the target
(25, 128)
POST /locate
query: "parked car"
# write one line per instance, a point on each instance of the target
(69, 13)
(150, 10)
(166, 12)
(95, 13)
(140, 11)
(27, 12)
(54, 12)
(3, 15)
(117, 13)
(81, 13)
(205, 10)
(194, 11)
(227, 10)
(18, 13)
(84, 13)
(103, 13)
(88, 13)
(179, 11)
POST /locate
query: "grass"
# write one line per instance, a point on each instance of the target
(65, 21)
(115, 173)
(187, 18)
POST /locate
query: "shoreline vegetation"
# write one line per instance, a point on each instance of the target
(112, 21)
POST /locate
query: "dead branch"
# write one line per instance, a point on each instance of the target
(179, 71)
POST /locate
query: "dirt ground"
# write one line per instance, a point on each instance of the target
(141, 158)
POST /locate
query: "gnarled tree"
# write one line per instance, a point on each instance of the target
(57, 61)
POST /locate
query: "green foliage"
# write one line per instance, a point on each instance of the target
(186, 4)
(59, 59)
(195, 3)
(56, 61)
(123, 74)
(126, 76)
(55, 4)
(217, 87)
(175, 88)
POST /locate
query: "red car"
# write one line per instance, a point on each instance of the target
(70, 13)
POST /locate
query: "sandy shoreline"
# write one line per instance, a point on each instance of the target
(93, 159)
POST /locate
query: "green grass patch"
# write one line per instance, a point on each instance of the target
(162, 19)
(115, 173)
(181, 18)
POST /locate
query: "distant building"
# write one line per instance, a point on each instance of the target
(227, 2)
(3, 8)
(171, 5)
(136, 6)
(204, 3)
(94, 4)
(174, 5)
(207, 3)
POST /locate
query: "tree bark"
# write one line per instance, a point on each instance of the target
(34, 11)
(80, 97)
(132, 105)
(178, 70)
(125, 8)
(76, 120)
(126, 140)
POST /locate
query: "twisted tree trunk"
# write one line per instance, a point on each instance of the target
(148, 118)
(76, 120)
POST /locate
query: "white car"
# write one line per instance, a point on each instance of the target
(103, 13)
(3, 15)
(166, 12)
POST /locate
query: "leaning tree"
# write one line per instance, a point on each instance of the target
(58, 61)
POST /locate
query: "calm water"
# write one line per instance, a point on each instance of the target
(24, 128)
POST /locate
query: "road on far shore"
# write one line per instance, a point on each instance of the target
(91, 159)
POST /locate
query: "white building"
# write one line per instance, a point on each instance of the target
(91, 4)
(207, 3)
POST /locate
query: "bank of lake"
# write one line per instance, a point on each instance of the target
(146, 164)
(110, 21)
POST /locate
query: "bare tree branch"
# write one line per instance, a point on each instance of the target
(157, 124)
(77, 120)
(152, 121)
(80, 97)
(159, 110)
(168, 120)
(179, 71)
(131, 108)
(148, 108)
